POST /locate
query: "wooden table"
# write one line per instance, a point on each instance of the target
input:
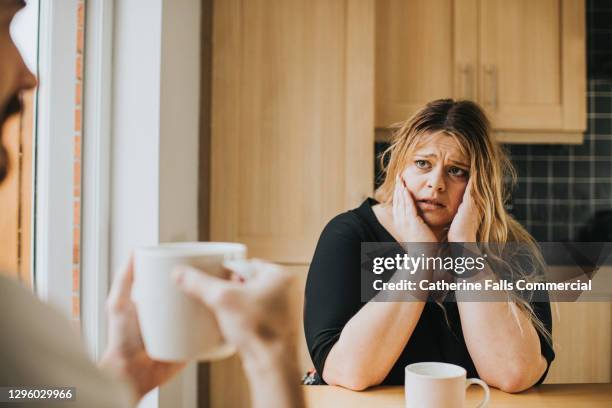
(548, 395)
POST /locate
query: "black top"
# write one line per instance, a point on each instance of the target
(333, 296)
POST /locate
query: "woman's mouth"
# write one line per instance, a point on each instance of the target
(429, 205)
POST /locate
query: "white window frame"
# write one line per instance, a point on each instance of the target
(55, 159)
(140, 150)
(95, 199)
(54, 153)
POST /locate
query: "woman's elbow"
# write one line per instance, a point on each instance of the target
(515, 379)
(513, 384)
(353, 384)
(352, 379)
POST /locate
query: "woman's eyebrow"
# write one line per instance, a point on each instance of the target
(459, 163)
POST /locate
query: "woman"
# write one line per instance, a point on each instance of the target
(444, 181)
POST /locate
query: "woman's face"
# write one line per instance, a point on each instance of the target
(437, 175)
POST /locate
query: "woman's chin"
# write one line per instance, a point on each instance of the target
(435, 221)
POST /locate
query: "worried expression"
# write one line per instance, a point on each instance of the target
(436, 175)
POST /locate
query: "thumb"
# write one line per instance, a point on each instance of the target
(200, 285)
(122, 285)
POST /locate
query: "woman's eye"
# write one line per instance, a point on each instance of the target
(457, 172)
(422, 164)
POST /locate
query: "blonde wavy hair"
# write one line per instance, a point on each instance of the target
(493, 179)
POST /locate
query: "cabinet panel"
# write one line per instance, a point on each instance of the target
(527, 81)
(425, 50)
(522, 60)
(582, 334)
(292, 119)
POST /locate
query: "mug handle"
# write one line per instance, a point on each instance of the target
(484, 386)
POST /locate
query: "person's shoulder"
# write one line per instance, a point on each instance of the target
(349, 224)
(39, 340)
(35, 317)
(16, 295)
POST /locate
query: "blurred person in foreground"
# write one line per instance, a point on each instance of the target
(39, 348)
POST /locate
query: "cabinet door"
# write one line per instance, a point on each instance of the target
(425, 50)
(582, 335)
(532, 64)
(292, 120)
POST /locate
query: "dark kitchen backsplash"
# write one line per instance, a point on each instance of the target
(564, 192)
(599, 38)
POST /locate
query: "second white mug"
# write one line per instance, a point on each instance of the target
(439, 385)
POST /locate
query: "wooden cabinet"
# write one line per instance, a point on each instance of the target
(522, 60)
(582, 337)
(532, 63)
(425, 50)
(292, 119)
(291, 141)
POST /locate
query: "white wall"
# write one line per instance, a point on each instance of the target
(155, 132)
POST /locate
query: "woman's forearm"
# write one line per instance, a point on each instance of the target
(506, 352)
(365, 352)
(502, 341)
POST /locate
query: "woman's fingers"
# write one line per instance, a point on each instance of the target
(468, 198)
(467, 194)
(411, 211)
(397, 212)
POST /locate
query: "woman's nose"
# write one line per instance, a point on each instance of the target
(436, 179)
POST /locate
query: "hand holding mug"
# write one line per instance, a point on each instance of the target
(251, 312)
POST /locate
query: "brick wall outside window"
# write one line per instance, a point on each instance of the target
(77, 168)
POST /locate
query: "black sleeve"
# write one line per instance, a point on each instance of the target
(542, 312)
(333, 286)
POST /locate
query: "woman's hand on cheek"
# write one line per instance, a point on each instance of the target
(409, 225)
(467, 220)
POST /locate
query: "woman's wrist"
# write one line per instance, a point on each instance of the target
(462, 238)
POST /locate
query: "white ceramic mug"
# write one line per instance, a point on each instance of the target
(439, 385)
(174, 326)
